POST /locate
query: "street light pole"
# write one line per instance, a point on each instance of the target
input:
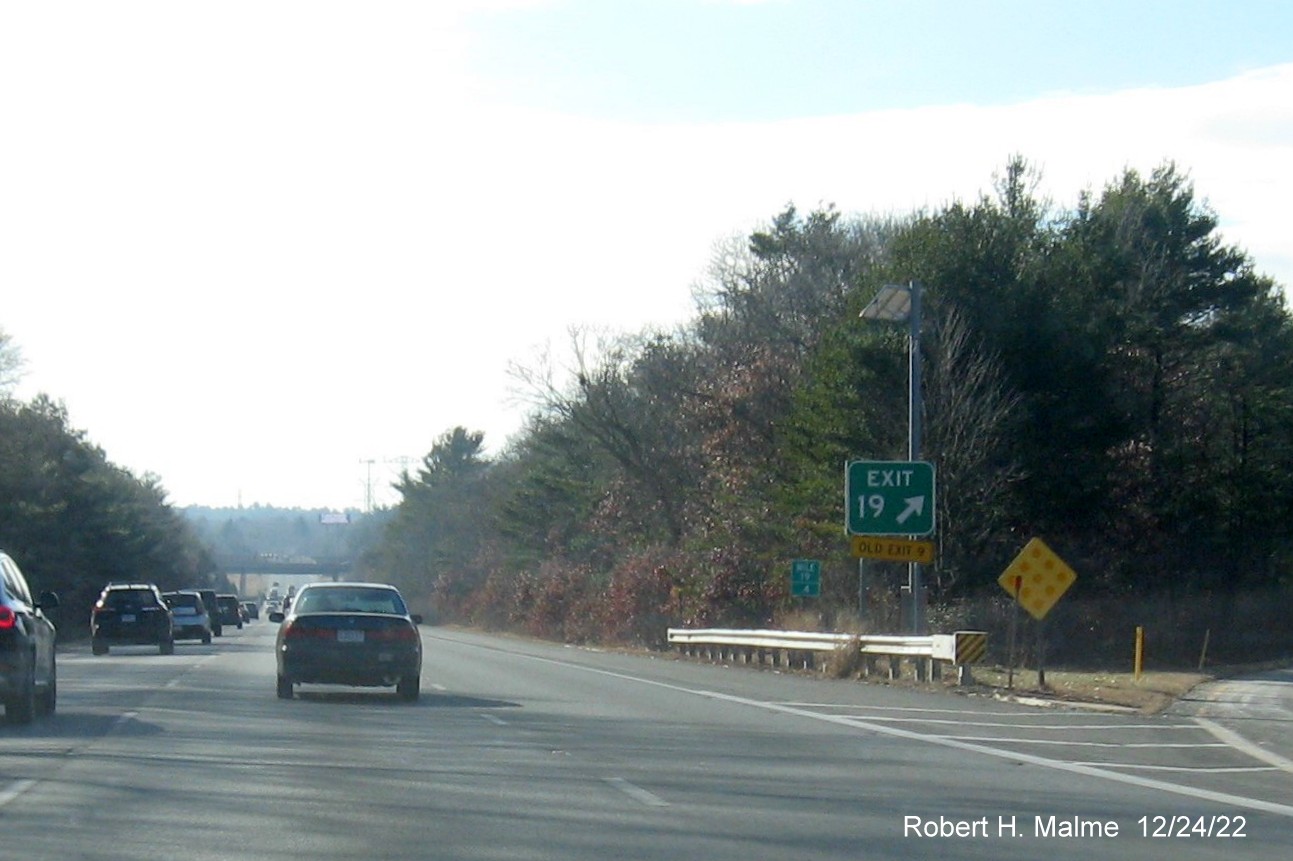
(894, 303)
(914, 408)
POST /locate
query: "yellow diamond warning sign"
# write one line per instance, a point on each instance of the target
(1037, 578)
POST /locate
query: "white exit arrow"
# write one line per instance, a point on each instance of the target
(915, 505)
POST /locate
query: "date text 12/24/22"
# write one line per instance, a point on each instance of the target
(1220, 826)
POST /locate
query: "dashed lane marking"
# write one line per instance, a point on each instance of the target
(15, 789)
(637, 793)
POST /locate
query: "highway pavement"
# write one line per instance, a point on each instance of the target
(524, 750)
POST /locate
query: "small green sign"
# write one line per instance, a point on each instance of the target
(889, 497)
(806, 578)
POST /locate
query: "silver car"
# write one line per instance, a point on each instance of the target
(191, 619)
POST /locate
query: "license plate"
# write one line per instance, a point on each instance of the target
(127, 617)
(346, 635)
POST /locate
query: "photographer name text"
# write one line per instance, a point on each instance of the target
(1156, 825)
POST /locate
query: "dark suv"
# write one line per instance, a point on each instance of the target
(230, 610)
(28, 674)
(213, 609)
(131, 614)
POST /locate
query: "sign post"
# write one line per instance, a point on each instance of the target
(1036, 579)
(1014, 627)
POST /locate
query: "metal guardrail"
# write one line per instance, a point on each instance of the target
(800, 647)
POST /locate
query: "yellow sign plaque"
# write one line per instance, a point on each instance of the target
(1037, 578)
(893, 549)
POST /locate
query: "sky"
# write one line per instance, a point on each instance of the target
(268, 251)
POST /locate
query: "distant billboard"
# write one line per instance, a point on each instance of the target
(334, 518)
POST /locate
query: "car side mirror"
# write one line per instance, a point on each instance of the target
(417, 618)
(47, 600)
(276, 616)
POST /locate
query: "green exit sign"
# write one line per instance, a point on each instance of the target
(889, 497)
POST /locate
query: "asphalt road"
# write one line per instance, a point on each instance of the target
(1253, 714)
(520, 750)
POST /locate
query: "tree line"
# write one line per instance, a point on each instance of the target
(73, 520)
(1113, 377)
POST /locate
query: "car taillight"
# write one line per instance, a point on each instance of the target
(7, 618)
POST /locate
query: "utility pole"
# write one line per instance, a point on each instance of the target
(368, 486)
(402, 461)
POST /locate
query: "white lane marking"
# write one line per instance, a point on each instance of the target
(637, 793)
(494, 719)
(1057, 742)
(1100, 772)
(1021, 726)
(17, 788)
(1239, 743)
(121, 721)
(1023, 716)
(1237, 769)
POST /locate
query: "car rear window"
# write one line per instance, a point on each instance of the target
(122, 599)
(343, 600)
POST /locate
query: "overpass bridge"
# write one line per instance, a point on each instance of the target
(253, 575)
(233, 565)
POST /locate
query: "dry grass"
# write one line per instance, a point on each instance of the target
(1152, 692)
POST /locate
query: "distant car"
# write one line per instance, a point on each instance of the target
(190, 619)
(131, 614)
(273, 605)
(251, 610)
(28, 672)
(359, 634)
(213, 608)
(230, 610)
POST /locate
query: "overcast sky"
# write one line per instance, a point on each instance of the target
(266, 249)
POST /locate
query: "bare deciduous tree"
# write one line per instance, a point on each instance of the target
(973, 417)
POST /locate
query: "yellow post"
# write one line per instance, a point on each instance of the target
(1140, 651)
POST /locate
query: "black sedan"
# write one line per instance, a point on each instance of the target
(358, 634)
(28, 672)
